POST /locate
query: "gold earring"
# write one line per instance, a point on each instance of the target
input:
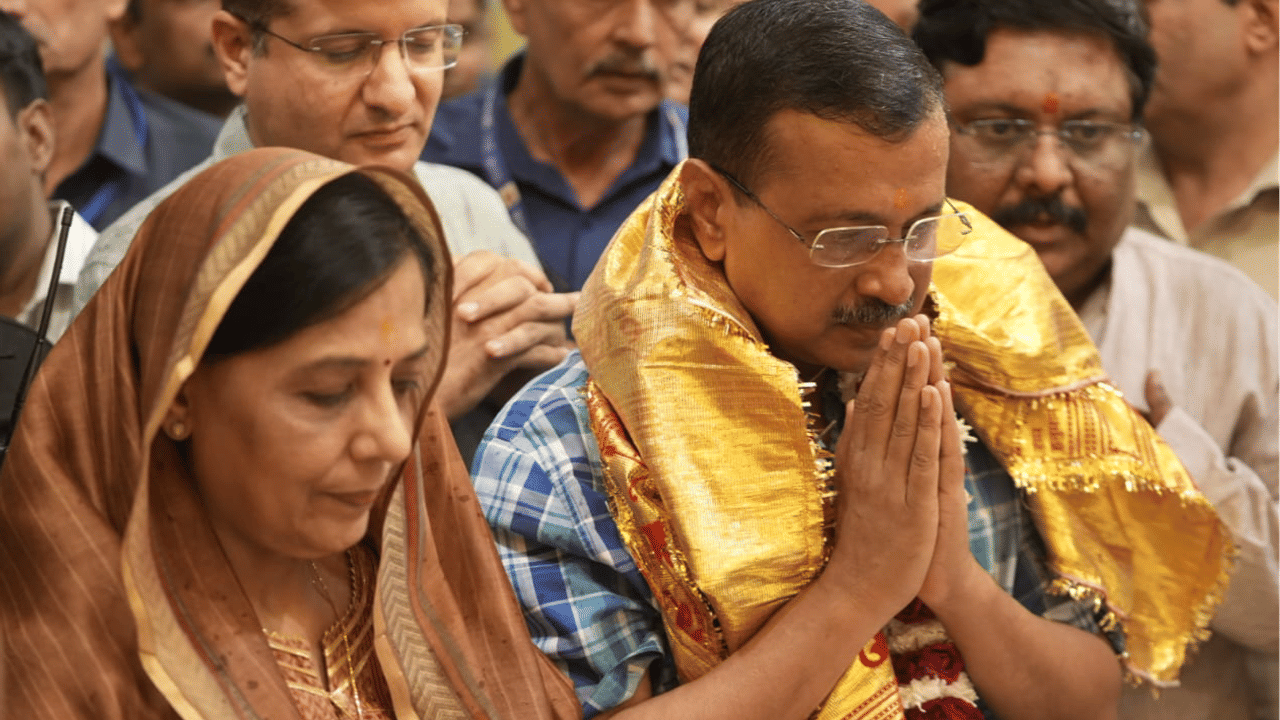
(177, 430)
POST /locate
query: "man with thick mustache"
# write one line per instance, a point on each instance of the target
(748, 495)
(574, 131)
(1046, 105)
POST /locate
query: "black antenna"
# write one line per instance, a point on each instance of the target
(37, 351)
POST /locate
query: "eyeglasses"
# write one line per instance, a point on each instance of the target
(926, 239)
(430, 47)
(1007, 140)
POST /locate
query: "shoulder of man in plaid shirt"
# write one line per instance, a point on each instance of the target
(539, 478)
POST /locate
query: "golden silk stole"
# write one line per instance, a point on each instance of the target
(717, 485)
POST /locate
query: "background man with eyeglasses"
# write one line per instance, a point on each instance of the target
(1044, 101)
(359, 81)
(753, 463)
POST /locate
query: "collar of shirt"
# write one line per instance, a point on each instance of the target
(123, 139)
(80, 239)
(119, 151)
(659, 151)
(233, 138)
(1154, 194)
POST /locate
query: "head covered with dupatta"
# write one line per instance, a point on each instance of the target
(119, 601)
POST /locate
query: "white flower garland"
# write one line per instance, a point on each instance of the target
(909, 637)
(904, 638)
(922, 690)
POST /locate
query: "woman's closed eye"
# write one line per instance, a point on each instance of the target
(327, 399)
(406, 386)
(403, 387)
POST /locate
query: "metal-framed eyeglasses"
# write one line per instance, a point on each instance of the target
(927, 239)
(1008, 140)
(429, 47)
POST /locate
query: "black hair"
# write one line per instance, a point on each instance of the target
(258, 14)
(21, 71)
(956, 31)
(338, 248)
(839, 60)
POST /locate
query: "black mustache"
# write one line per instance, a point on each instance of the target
(1035, 210)
(873, 312)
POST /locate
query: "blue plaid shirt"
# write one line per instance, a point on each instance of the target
(539, 478)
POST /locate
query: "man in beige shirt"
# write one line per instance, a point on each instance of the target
(1044, 106)
(1208, 178)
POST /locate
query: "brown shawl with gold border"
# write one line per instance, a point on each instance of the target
(117, 602)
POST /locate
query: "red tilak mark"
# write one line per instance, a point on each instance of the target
(386, 362)
(1051, 104)
(900, 200)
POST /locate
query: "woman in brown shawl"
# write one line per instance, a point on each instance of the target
(230, 468)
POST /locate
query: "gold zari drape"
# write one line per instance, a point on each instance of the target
(717, 484)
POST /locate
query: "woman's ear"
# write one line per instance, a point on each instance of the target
(708, 199)
(177, 420)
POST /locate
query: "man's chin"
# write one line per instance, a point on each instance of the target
(848, 360)
(401, 157)
(855, 366)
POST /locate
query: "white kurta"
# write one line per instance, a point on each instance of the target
(1212, 335)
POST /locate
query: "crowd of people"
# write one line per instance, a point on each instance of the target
(704, 359)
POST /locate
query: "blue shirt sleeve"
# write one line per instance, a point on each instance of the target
(1004, 539)
(538, 476)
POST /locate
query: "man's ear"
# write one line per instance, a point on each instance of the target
(115, 9)
(515, 15)
(233, 42)
(708, 199)
(1261, 31)
(124, 42)
(35, 126)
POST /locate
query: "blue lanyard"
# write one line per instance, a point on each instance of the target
(108, 192)
(495, 167)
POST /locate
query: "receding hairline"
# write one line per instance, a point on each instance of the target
(765, 158)
(274, 9)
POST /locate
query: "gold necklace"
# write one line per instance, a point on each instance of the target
(318, 581)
